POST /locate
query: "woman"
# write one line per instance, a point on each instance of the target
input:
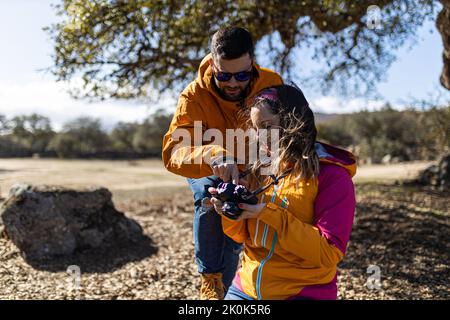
(298, 232)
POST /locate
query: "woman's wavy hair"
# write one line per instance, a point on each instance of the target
(297, 134)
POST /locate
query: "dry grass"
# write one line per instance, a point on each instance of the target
(403, 230)
(114, 175)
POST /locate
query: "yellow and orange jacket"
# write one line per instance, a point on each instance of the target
(293, 248)
(200, 102)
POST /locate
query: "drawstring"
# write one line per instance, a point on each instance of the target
(275, 180)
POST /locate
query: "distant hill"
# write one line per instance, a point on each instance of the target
(325, 117)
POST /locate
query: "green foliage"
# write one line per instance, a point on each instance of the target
(4, 124)
(32, 132)
(64, 145)
(122, 136)
(334, 132)
(122, 49)
(149, 135)
(403, 135)
(80, 136)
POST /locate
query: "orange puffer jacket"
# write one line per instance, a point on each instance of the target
(200, 102)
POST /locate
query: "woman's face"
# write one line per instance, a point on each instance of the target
(263, 119)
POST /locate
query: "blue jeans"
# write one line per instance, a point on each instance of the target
(214, 251)
(236, 294)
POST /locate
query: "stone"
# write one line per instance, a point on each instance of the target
(437, 175)
(386, 159)
(45, 221)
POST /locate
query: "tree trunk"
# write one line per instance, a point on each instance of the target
(443, 25)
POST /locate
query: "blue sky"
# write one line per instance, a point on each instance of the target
(26, 49)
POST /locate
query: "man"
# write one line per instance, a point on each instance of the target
(226, 78)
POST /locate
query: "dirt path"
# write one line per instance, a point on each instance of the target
(145, 176)
(391, 172)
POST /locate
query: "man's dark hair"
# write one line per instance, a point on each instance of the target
(231, 43)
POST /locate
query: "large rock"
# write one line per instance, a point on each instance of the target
(46, 221)
(437, 176)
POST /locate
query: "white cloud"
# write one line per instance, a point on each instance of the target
(51, 99)
(331, 104)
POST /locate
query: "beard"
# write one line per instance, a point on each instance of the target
(238, 96)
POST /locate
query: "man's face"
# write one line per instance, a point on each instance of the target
(232, 89)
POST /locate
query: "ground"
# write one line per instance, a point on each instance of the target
(400, 231)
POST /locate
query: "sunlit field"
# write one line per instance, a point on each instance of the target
(122, 177)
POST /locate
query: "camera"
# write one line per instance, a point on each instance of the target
(231, 194)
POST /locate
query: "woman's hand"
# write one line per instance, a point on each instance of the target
(250, 211)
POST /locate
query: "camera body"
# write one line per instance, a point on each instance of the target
(231, 194)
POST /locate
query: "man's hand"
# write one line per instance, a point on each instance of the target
(228, 172)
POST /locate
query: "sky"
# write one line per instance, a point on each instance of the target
(26, 88)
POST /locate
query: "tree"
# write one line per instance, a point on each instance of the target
(335, 132)
(123, 49)
(443, 25)
(34, 131)
(122, 136)
(148, 137)
(4, 125)
(80, 137)
(65, 146)
(436, 130)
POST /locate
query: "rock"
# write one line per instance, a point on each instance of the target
(386, 159)
(437, 175)
(45, 221)
(428, 176)
(395, 160)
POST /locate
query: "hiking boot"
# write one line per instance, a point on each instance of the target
(212, 287)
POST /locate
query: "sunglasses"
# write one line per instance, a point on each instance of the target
(241, 76)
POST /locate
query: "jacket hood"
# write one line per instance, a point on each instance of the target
(334, 155)
(205, 78)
